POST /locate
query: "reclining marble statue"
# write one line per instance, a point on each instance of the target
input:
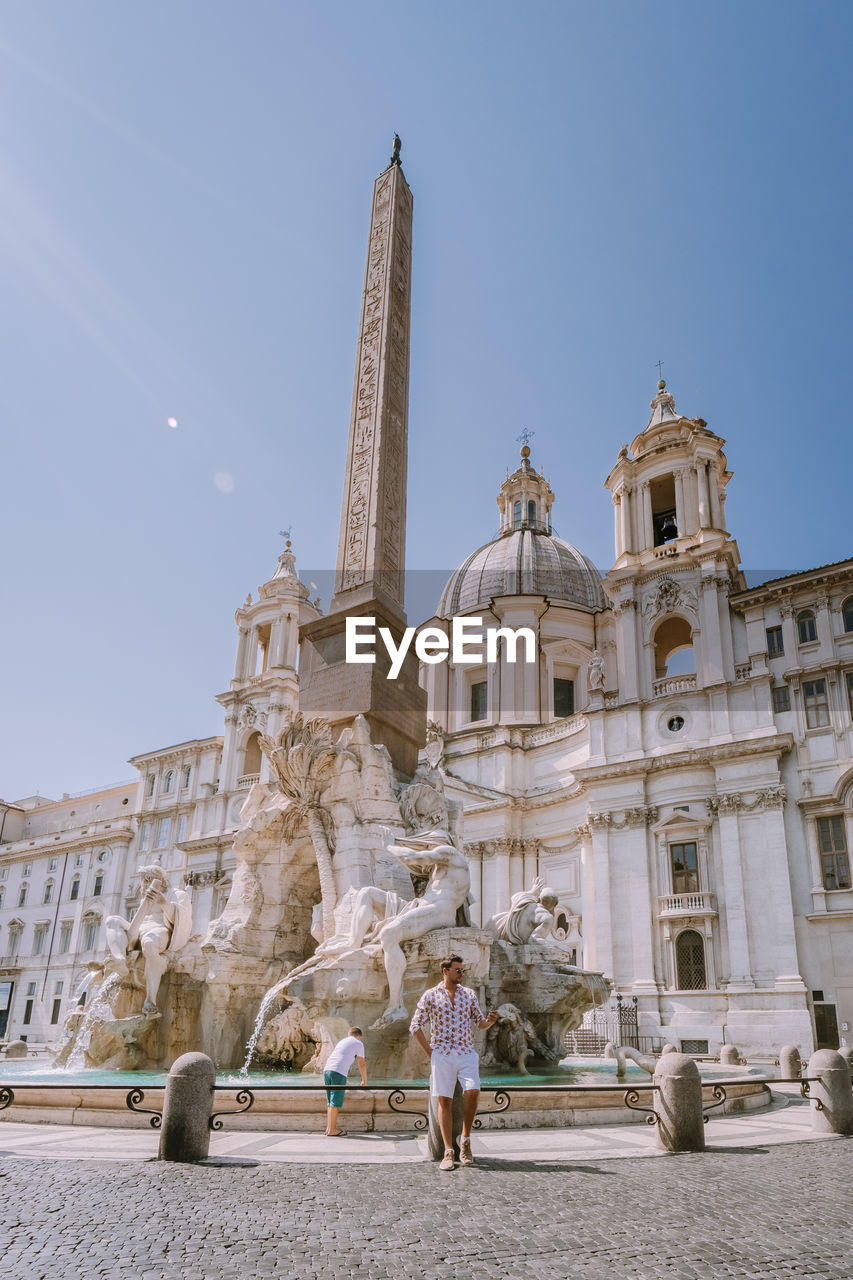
(381, 918)
(161, 924)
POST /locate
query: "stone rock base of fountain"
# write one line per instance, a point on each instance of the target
(316, 1008)
(351, 989)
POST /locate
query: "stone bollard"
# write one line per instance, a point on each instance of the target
(17, 1049)
(187, 1107)
(668, 1048)
(847, 1054)
(435, 1140)
(832, 1091)
(790, 1063)
(729, 1055)
(678, 1104)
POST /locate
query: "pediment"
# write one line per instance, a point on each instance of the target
(679, 821)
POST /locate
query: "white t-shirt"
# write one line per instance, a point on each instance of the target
(344, 1055)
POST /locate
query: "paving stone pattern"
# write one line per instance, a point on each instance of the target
(751, 1212)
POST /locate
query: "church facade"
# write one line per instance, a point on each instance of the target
(677, 764)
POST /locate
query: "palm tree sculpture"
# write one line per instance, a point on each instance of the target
(303, 756)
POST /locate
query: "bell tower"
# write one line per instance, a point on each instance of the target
(675, 562)
(265, 685)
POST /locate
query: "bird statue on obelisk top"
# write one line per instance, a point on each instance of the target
(370, 573)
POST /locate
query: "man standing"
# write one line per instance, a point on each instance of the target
(450, 1008)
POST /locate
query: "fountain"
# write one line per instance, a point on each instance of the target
(349, 889)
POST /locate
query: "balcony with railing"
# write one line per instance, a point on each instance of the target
(674, 684)
(248, 780)
(695, 903)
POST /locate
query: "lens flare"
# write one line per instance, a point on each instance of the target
(223, 481)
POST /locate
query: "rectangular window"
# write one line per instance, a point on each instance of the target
(78, 861)
(28, 869)
(99, 886)
(4, 871)
(58, 987)
(39, 939)
(163, 827)
(31, 989)
(75, 889)
(52, 864)
(564, 697)
(28, 1012)
(781, 697)
(833, 852)
(182, 828)
(90, 935)
(849, 679)
(65, 936)
(48, 893)
(144, 836)
(685, 867)
(22, 896)
(54, 1015)
(814, 700)
(775, 645)
(479, 700)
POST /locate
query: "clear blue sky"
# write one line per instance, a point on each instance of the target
(185, 200)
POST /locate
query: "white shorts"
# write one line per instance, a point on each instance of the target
(447, 1068)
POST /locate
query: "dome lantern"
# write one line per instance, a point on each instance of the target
(525, 499)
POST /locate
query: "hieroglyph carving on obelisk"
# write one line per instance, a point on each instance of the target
(372, 543)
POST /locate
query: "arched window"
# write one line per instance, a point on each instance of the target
(149, 789)
(516, 515)
(674, 648)
(690, 961)
(75, 889)
(169, 782)
(48, 892)
(99, 885)
(806, 627)
(531, 513)
(22, 896)
(252, 756)
(847, 613)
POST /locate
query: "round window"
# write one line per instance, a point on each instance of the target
(675, 724)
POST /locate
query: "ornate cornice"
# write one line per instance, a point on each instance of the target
(691, 757)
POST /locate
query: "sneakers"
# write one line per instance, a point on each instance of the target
(465, 1156)
(448, 1162)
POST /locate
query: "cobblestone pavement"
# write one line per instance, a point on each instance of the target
(746, 1212)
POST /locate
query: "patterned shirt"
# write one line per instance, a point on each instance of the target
(449, 1020)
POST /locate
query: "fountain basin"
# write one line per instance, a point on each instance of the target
(297, 1102)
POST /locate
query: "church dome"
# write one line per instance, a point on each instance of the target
(523, 562)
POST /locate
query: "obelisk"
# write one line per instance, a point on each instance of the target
(370, 571)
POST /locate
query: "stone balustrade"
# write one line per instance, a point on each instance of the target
(674, 684)
(687, 904)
